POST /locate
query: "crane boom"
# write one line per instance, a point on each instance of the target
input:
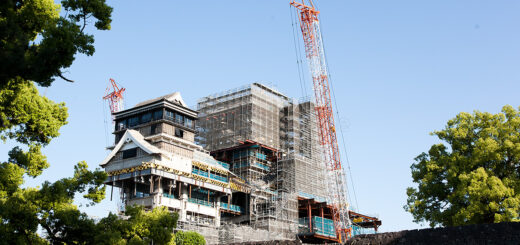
(310, 27)
(115, 98)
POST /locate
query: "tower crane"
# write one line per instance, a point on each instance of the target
(115, 98)
(310, 28)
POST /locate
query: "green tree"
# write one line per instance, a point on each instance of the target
(33, 120)
(189, 238)
(36, 44)
(138, 227)
(473, 179)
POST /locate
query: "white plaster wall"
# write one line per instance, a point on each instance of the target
(201, 209)
(179, 163)
(128, 145)
(170, 202)
(128, 163)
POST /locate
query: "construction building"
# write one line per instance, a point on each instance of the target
(271, 142)
(245, 166)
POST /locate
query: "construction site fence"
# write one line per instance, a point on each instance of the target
(356, 230)
(169, 195)
(245, 153)
(201, 202)
(211, 175)
(247, 164)
(320, 226)
(231, 207)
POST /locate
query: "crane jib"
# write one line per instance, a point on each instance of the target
(314, 52)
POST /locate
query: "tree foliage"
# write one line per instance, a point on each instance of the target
(189, 238)
(473, 179)
(36, 43)
(139, 227)
(33, 120)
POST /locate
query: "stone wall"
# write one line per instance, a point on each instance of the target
(236, 234)
(280, 242)
(488, 234)
(484, 234)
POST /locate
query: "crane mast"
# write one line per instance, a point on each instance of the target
(310, 28)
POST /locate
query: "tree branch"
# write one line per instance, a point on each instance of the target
(84, 21)
(49, 231)
(64, 78)
(27, 237)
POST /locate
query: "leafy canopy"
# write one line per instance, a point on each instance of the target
(33, 120)
(140, 227)
(189, 238)
(473, 179)
(36, 43)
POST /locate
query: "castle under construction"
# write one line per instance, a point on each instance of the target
(246, 165)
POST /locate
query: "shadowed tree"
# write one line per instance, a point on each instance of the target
(36, 43)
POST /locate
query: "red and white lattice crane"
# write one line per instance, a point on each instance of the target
(114, 97)
(310, 27)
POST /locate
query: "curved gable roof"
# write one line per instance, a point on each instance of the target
(138, 139)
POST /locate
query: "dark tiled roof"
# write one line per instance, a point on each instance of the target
(173, 97)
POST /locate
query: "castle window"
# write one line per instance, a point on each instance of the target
(169, 115)
(157, 115)
(179, 133)
(130, 153)
(133, 121)
(146, 117)
(121, 124)
(189, 123)
(179, 118)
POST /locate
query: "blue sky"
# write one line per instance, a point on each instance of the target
(400, 70)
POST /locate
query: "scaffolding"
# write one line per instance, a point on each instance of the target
(301, 168)
(271, 141)
(249, 112)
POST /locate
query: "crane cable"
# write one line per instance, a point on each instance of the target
(105, 124)
(297, 51)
